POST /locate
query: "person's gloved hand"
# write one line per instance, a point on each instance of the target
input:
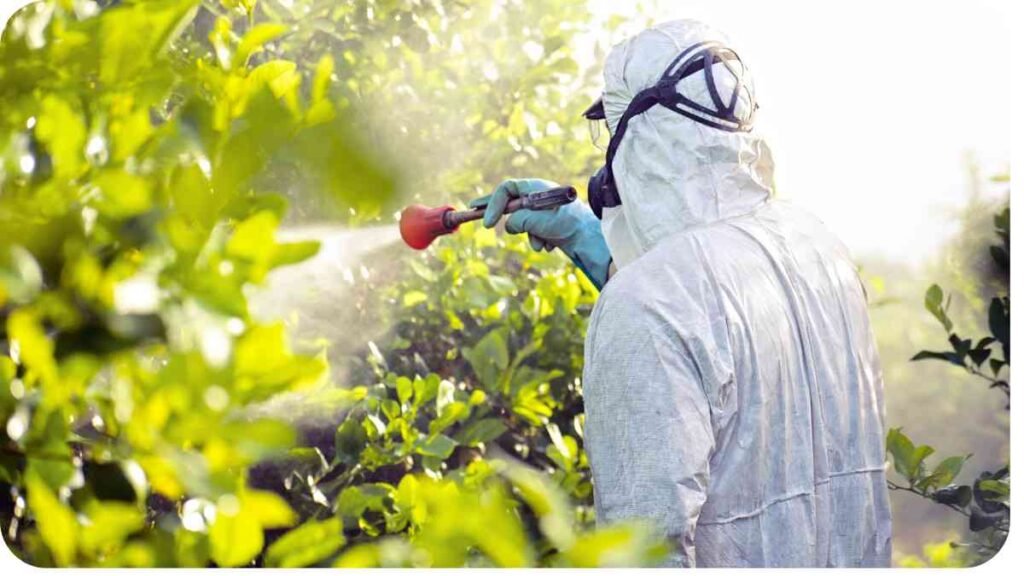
(572, 228)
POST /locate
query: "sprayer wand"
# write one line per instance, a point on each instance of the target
(419, 225)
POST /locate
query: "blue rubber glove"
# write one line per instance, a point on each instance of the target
(572, 228)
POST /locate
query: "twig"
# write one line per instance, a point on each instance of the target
(894, 486)
(962, 512)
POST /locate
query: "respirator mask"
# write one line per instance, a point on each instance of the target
(601, 190)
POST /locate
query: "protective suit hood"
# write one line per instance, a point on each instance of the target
(674, 173)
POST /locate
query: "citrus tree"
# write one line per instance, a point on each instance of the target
(148, 153)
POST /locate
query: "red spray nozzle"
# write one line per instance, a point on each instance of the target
(419, 225)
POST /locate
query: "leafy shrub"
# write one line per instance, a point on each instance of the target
(140, 140)
(985, 501)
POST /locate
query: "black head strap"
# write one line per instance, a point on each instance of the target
(702, 56)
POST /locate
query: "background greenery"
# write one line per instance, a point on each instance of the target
(186, 382)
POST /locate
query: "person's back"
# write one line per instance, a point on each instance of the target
(759, 419)
(731, 383)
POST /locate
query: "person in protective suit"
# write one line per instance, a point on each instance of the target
(732, 386)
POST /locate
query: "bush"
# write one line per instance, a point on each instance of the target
(149, 153)
(985, 500)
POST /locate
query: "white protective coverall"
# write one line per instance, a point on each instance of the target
(732, 386)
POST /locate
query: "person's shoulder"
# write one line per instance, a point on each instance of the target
(662, 281)
(619, 294)
(624, 316)
(809, 230)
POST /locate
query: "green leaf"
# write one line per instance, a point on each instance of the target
(403, 386)
(56, 522)
(263, 357)
(267, 508)
(994, 489)
(235, 538)
(933, 297)
(489, 357)
(21, 278)
(953, 495)
(981, 520)
(481, 431)
(253, 238)
(498, 534)
(981, 351)
(110, 524)
(134, 35)
(961, 347)
(349, 441)
(438, 446)
(547, 502)
(477, 398)
(366, 555)
(310, 543)
(254, 40)
(413, 297)
(999, 323)
(933, 303)
(944, 473)
(452, 413)
(996, 366)
(24, 328)
(411, 509)
(260, 438)
(425, 389)
(391, 409)
(355, 500)
(916, 463)
(294, 252)
(63, 132)
(322, 78)
(122, 194)
(618, 546)
(55, 473)
(904, 453)
(351, 502)
(950, 357)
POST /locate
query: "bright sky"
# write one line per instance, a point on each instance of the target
(870, 106)
(7, 7)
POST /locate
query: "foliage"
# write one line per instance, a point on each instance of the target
(946, 554)
(465, 93)
(472, 521)
(485, 349)
(149, 150)
(985, 501)
(131, 224)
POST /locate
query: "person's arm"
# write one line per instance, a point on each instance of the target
(572, 228)
(648, 431)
